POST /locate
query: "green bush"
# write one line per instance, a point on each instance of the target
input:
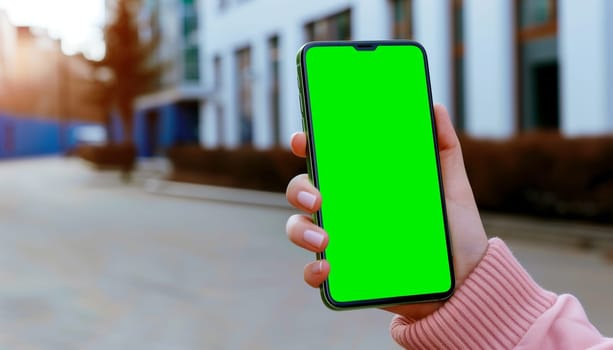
(268, 170)
(121, 156)
(543, 174)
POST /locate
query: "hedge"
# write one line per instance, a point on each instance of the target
(541, 174)
(268, 170)
(114, 157)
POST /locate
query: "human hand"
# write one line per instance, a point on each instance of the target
(467, 233)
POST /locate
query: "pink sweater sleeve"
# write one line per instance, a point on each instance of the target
(500, 306)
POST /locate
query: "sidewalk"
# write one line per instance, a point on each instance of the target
(87, 262)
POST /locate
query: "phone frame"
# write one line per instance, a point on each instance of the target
(313, 175)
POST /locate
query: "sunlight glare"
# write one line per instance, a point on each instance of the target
(77, 22)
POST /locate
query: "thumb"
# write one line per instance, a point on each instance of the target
(455, 180)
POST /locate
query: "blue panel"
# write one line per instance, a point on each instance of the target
(26, 137)
(36, 137)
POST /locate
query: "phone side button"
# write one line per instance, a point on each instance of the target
(302, 105)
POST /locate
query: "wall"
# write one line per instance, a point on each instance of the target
(29, 136)
(430, 22)
(253, 23)
(489, 61)
(586, 53)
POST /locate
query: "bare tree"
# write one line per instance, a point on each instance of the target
(130, 64)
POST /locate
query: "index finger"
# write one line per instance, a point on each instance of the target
(298, 144)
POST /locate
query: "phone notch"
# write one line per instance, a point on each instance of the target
(365, 46)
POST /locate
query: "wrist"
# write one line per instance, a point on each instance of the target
(493, 308)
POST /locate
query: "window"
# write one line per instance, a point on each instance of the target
(535, 14)
(191, 51)
(538, 78)
(245, 93)
(335, 27)
(458, 62)
(402, 18)
(192, 64)
(273, 49)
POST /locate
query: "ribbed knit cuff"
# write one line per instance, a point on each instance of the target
(492, 309)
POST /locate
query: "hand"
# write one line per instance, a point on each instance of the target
(467, 233)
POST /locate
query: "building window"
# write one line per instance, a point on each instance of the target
(192, 58)
(245, 94)
(402, 19)
(458, 63)
(273, 48)
(537, 15)
(191, 50)
(538, 77)
(335, 27)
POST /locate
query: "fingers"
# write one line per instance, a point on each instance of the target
(298, 144)
(316, 272)
(302, 232)
(302, 194)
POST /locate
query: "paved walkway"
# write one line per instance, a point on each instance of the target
(87, 262)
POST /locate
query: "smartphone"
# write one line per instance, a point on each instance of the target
(372, 152)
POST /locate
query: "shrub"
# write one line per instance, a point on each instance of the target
(543, 174)
(114, 157)
(268, 170)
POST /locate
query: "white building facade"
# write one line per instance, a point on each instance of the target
(501, 66)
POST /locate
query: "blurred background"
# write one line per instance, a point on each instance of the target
(144, 149)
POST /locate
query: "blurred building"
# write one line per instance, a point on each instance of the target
(502, 67)
(36, 74)
(172, 115)
(8, 47)
(40, 105)
(38, 80)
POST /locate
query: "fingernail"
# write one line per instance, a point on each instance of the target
(313, 238)
(306, 199)
(317, 267)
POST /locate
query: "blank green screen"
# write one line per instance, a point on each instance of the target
(376, 167)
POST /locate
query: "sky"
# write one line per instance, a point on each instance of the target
(77, 22)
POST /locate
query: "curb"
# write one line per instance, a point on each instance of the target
(579, 234)
(216, 193)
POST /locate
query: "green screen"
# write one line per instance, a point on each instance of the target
(373, 157)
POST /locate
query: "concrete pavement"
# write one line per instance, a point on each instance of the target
(87, 262)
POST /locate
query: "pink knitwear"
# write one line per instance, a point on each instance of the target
(500, 306)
